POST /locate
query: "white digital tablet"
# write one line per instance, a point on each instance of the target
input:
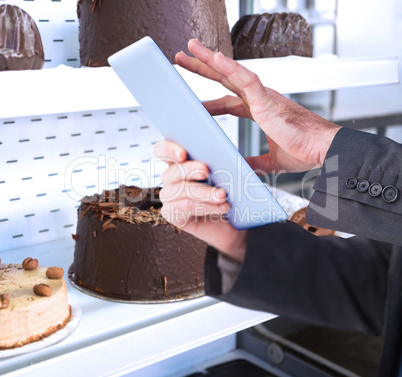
(180, 117)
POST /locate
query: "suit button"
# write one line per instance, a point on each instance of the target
(390, 194)
(375, 189)
(351, 182)
(363, 185)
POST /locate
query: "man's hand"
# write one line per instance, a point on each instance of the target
(194, 206)
(298, 139)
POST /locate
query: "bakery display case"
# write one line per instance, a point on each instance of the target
(67, 132)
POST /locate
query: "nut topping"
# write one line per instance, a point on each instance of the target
(30, 264)
(43, 290)
(4, 301)
(54, 272)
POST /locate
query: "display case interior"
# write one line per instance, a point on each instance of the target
(67, 132)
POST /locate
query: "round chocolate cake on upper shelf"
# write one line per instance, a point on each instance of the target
(126, 250)
(271, 35)
(107, 26)
(20, 41)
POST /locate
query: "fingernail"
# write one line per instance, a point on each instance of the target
(224, 207)
(179, 154)
(196, 41)
(221, 193)
(200, 174)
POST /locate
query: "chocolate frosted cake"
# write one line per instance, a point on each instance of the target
(20, 41)
(271, 35)
(107, 26)
(126, 250)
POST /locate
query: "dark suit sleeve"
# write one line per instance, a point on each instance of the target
(326, 281)
(359, 190)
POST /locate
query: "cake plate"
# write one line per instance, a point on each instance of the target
(188, 296)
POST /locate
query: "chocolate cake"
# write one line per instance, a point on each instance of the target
(20, 41)
(299, 217)
(107, 26)
(126, 250)
(271, 35)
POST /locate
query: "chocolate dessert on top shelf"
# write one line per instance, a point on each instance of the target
(126, 250)
(269, 35)
(20, 41)
(107, 26)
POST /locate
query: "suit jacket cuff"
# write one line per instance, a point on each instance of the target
(363, 157)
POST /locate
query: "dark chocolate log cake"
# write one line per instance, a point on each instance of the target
(107, 26)
(126, 250)
(20, 41)
(271, 35)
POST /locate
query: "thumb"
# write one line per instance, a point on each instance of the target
(262, 165)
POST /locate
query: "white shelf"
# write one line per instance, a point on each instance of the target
(65, 89)
(117, 338)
